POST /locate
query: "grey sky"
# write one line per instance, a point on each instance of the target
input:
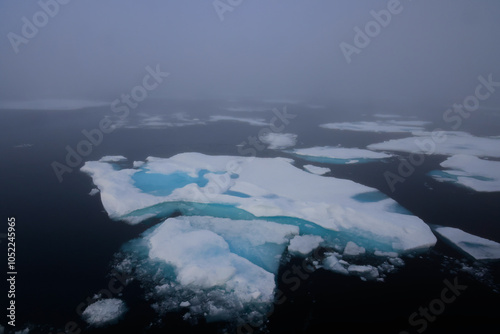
(96, 49)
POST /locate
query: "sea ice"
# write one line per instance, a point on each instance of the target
(338, 155)
(385, 126)
(252, 188)
(385, 254)
(218, 268)
(138, 164)
(367, 272)
(351, 249)
(93, 191)
(476, 247)
(248, 109)
(317, 170)
(279, 141)
(52, 104)
(332, 263)
(239, 215)
(113, 158)
(104, 312)
(472, 172)
(304, 244)
(251, 121)
(445, 143)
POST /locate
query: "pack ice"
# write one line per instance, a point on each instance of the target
(238, 216)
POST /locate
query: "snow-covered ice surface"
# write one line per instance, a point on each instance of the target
(338, 155)
(476, 247)
(391, 126)
(239, 215)
(270, 188)
(218, 268)
(104, 312)
(444, 143)
(279, 141)
(469, 171)
(317, 170)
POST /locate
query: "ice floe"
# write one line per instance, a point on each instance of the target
(444, 143)
(474, 246)
(472, 172)
(234, 187)
(317, 170)
(238, 215)
(104, 312)
(248, 109)
(304, 244)
(52, 104)
(351, 249)
(382, 126)
(251, 121)
(338, 155)
(93, 191)
(279, 141)
(333, 264)
(113, 158)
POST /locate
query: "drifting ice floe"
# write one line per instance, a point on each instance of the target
(238, 187)
(240, 214)
(113, 158)
(279, 141)
(248, 109)
(48, 104)
(471, 172)
(317, 170)
(338, 155)
(386, 126)
(251, 121)
(104, 312)
(93, 191)
(445, 143)
(476, 247)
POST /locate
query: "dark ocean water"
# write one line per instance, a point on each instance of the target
(65, 242)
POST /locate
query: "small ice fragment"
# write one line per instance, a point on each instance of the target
(351, 249)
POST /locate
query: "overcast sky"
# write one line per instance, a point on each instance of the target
(97, 49)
